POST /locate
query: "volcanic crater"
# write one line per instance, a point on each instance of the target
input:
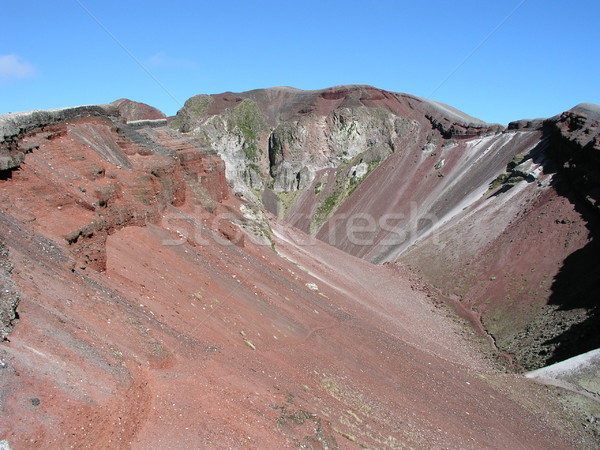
(278, 268)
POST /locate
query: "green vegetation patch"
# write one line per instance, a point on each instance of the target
(355, 182)
(193, 108)
(518, 159)
(287, 200)
(326, 208)
(510, 177)
(249, 121)
(499, 181)
(344, 188)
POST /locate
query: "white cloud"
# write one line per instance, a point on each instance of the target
(13, 66)
(162, 59)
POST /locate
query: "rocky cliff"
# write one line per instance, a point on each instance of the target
(280, 143)
(391, 177)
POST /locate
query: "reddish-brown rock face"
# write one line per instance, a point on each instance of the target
(156, 309)
(93, 178)
(280, 139)
(132, 111)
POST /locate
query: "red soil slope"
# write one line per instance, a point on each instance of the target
(148, 319)
(525, 259)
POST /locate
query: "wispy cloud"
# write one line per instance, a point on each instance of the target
(14, 67)
(162, 59)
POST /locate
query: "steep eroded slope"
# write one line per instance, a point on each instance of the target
(154, 312)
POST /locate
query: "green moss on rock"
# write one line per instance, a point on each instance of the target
(249, 121)
(194, 108)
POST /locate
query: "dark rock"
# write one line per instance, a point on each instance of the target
(9, 299)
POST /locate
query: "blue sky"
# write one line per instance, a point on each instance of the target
(495, 60)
